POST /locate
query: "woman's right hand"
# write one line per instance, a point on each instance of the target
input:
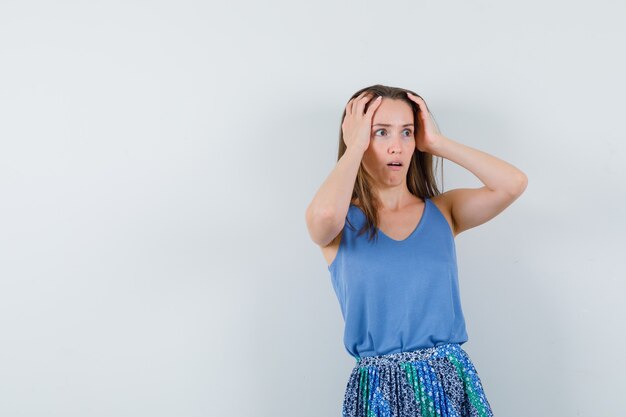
(357, 125)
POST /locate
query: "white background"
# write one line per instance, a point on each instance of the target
(156, 160)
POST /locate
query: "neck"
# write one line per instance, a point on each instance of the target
(394, 198)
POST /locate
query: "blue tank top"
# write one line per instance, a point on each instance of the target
(398, 296)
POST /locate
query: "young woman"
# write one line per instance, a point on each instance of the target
(387, 234)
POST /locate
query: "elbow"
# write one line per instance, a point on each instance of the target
(520, 184)
(317, 215)
(322, 226)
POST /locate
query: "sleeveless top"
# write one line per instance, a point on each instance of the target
(398, 296)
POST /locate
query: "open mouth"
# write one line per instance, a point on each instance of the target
(395, 166)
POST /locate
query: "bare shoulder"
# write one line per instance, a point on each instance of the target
(444, 204)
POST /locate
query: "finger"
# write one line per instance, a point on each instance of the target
(420, 102)
(355, 100)
(373, 106)
(349, 108)
(415, 98)
(362, 102)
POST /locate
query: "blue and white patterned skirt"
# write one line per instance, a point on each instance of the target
(440, 381)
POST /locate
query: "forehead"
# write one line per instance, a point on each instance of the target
(393, 112)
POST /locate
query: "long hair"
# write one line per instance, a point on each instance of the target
(420, 176)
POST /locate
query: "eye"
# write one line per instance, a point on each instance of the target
(410, 134)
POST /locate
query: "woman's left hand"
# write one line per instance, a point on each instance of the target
(428, 138)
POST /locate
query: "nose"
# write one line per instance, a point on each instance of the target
(395, 145)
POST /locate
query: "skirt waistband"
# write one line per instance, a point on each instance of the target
(411, 356)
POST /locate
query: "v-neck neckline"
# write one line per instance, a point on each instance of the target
(417, 227)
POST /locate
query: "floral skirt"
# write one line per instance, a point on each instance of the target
(440, 381)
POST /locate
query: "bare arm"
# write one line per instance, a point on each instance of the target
(470, 207)
(504, 183)
(326, 214)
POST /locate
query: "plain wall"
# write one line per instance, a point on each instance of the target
(157, 158)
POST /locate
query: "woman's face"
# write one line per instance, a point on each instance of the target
(392, 139)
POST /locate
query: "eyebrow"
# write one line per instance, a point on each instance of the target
(388, 125)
